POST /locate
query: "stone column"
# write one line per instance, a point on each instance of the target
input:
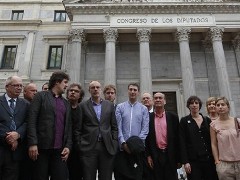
(220, 61)
(183, 35)
(1, 50)
(236, 46)
(110, 35)
(25, 66)
(144, 35)
(77, 36)
(211, 68)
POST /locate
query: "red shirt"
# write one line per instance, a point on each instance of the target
(161, 130)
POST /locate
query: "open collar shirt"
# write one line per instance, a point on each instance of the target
(133, 120)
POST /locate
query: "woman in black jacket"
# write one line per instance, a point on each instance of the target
(196, 153)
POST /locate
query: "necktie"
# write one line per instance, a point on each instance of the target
(12, 108)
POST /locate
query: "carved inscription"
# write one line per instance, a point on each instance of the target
(162, 20)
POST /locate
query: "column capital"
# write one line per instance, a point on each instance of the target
(183, 33)
(216, 33)
(144, 34)
(77, 35)
(110, 34)
(207, 45)
(236, 44)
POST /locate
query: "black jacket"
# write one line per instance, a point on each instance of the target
(172, 139)
(41, 122)
(190, 140)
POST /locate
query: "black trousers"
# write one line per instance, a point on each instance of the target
(49, 162)
(97, 159)
(163, 170)
(203, 170)
(74, 166)
(128, 166)
(9, 169)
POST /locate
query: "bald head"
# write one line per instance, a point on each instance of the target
(95, 90)
(159, 100)
(29, 91)
(147, 100)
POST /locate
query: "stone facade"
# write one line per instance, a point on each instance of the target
(186, 47)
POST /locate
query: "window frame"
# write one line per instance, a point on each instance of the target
(9, 65)
(55, 58)
(18, 12)
(60, 12)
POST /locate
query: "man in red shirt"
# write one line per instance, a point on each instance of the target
(162, 142)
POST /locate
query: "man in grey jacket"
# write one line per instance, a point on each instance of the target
(96, 135)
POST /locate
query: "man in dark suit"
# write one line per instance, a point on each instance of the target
(50, 130)
(13, 114)
(162, 141)
(96, 135)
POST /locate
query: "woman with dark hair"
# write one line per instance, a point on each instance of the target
(195, 144)
(226, 142)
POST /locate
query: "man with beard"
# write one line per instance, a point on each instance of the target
(50, 130)
(75, 95)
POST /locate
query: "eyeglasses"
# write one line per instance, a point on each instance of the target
(16, 85)
(74, 90)
(110, 93)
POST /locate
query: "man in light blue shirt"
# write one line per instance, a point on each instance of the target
(132, 118)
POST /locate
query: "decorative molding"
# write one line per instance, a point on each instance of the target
(9, 37)
(77, 35)
(236, 44)
(21, 22)
(110, 34)
(144, 34)
(46, 38)
(150, 8)
(216, 33)
(183, 34)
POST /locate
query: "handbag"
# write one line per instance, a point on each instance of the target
(237, 125)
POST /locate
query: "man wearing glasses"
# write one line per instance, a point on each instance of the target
(75, 94)
(13, 114)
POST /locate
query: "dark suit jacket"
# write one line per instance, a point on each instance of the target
(172, 139)
(20, 117)
(189, 137)
(87, 130)
(41, 122)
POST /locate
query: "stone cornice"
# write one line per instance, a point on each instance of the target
(20, 22)
(151, 8)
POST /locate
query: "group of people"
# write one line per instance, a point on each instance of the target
(45, 136)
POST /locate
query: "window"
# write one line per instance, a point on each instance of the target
(17, 15)
(59, 16)
(55, 57)
(9, 57)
